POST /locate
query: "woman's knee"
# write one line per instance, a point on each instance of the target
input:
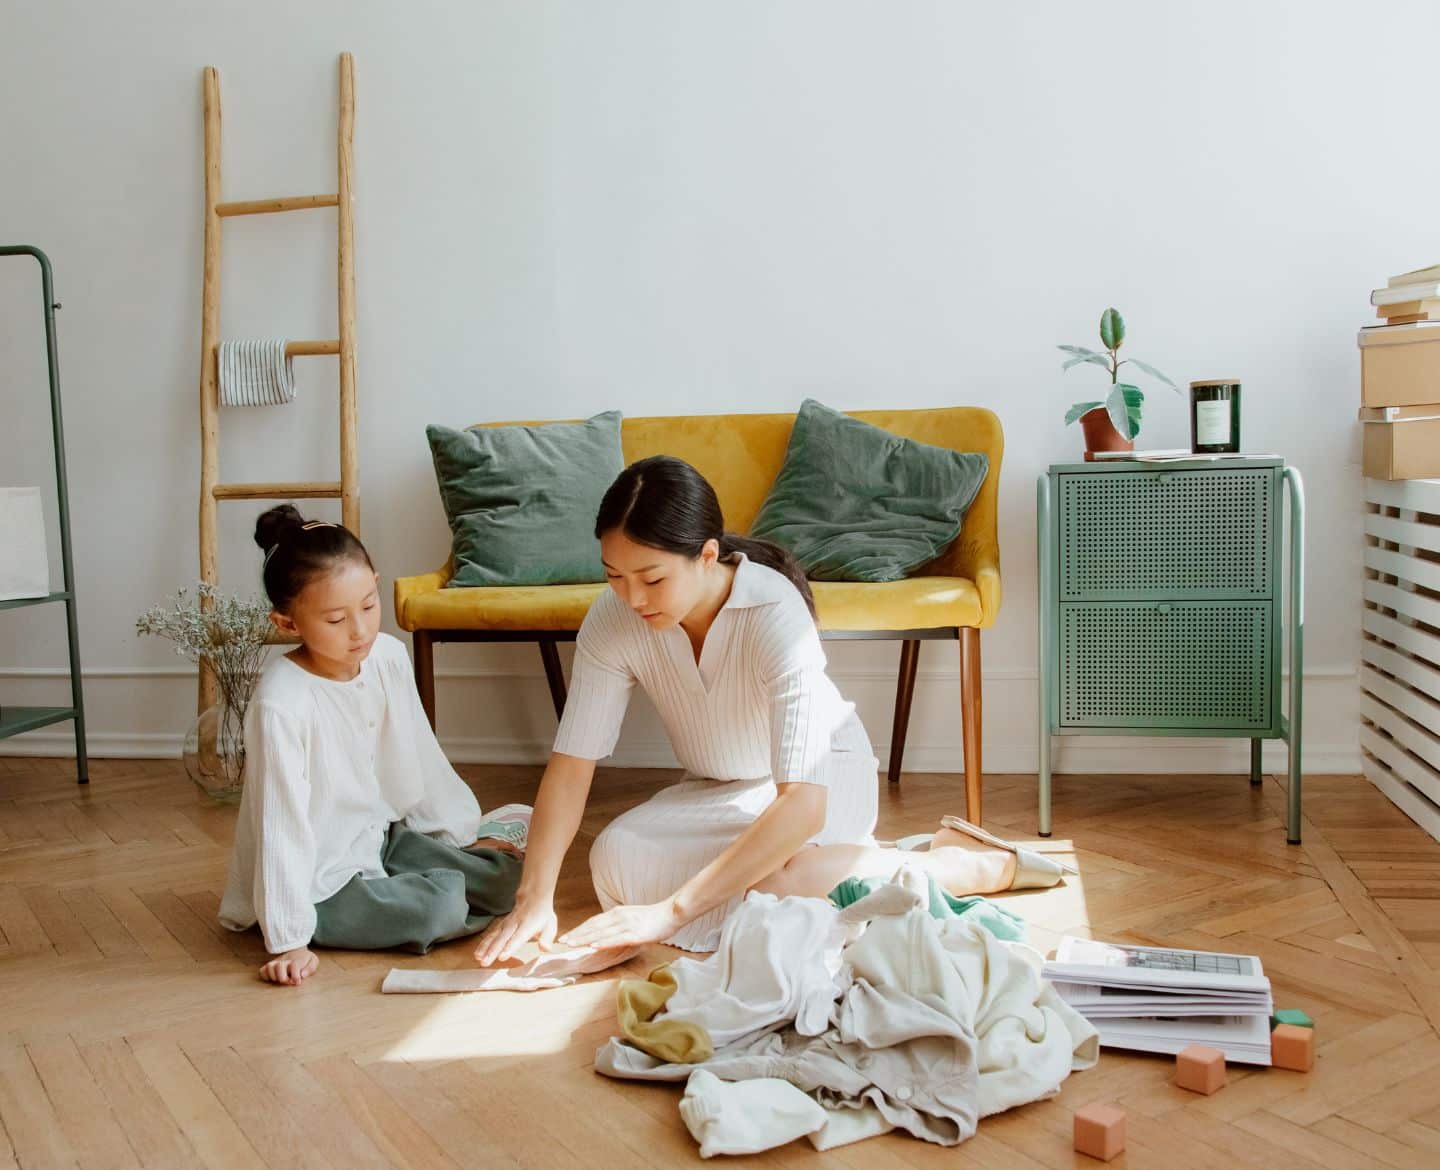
(606, 855)
(785, 881)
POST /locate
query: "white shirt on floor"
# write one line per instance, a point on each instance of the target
(328, 767)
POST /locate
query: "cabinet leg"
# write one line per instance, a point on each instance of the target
(1256, 778)
(1044, 779)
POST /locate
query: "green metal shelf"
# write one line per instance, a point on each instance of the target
(22, 602)
(15, 720)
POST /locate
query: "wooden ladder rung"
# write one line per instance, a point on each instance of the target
(287, 203)
(277, 491)
(305, 348)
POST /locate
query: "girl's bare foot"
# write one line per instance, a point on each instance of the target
(292, 968)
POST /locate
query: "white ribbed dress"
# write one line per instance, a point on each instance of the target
(757, 709)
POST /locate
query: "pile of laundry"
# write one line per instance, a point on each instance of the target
(836, 1024)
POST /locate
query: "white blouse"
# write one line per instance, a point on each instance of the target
(757, 704)
(328, 767)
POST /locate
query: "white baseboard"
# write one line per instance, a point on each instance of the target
(165, 694)
(1091, 755)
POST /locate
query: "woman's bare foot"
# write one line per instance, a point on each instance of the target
(997, 869)
(292, 968)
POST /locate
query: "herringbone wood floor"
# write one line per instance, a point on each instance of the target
(133, 1031)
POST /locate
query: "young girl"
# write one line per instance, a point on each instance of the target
(354, 830)
(781, 780)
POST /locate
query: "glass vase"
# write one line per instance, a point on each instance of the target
(214, 753)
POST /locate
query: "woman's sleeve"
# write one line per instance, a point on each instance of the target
(805, 709)
(599, 689)
(278, 785)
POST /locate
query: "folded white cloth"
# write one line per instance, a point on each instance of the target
(557, 969)
(747, 1116)
(401, 981)
(255, 373)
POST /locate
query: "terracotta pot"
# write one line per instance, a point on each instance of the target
(1101, 435)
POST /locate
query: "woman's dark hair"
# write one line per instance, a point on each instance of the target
(298, 550)
(664, 503)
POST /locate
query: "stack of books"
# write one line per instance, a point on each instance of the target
(1155, 999)
(1400, 378)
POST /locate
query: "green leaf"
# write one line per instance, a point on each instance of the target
(1112, 329)
(1124, 405)
(1078, 409)
(1153, 372)
(1080, 350)
(1093, 359)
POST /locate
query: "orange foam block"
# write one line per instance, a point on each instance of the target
(1100, 1131)
(1200, 1069)
(1293, 1047)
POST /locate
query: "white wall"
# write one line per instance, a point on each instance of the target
(664, 208)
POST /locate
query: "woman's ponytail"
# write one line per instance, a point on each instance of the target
(772, 556)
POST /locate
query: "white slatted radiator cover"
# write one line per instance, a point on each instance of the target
(1400, 646)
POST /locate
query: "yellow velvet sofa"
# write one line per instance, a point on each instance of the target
(954, 597)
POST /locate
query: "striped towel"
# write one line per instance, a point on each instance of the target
(255, 373)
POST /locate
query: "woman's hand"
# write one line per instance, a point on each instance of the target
(532, 918)
(627, 926)
(292, 968)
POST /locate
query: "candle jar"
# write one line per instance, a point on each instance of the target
(1215, 417)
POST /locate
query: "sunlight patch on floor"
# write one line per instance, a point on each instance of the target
(504, 1023)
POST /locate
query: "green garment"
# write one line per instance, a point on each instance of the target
(996, 919)
(434, 892)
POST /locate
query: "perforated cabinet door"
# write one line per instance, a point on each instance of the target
(1167, 534)
(1183, 664)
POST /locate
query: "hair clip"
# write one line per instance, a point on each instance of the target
(315, 524)
(270, 552)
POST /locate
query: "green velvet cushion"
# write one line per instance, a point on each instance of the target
(522, 500)
(856, 503)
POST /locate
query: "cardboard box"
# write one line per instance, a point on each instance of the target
(1400, 365)
(1407, 449)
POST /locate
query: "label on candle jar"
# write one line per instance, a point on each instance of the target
(1212, 423)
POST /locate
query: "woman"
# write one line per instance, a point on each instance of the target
(781, 780)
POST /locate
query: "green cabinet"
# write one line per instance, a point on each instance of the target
(1160, 594)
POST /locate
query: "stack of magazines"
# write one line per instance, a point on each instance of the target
(1153, 999)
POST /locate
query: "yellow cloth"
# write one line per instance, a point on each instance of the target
(740, 454)
(674, 1041)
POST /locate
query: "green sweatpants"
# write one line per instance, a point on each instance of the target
(433, 892)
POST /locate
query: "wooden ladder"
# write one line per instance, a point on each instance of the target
(212, 491)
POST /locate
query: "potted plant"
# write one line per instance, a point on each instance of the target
(1111, 423)
(229, 636)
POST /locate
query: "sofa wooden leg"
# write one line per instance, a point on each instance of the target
(904, 692)
(970, 718)
(554, 675)
(425, 672)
